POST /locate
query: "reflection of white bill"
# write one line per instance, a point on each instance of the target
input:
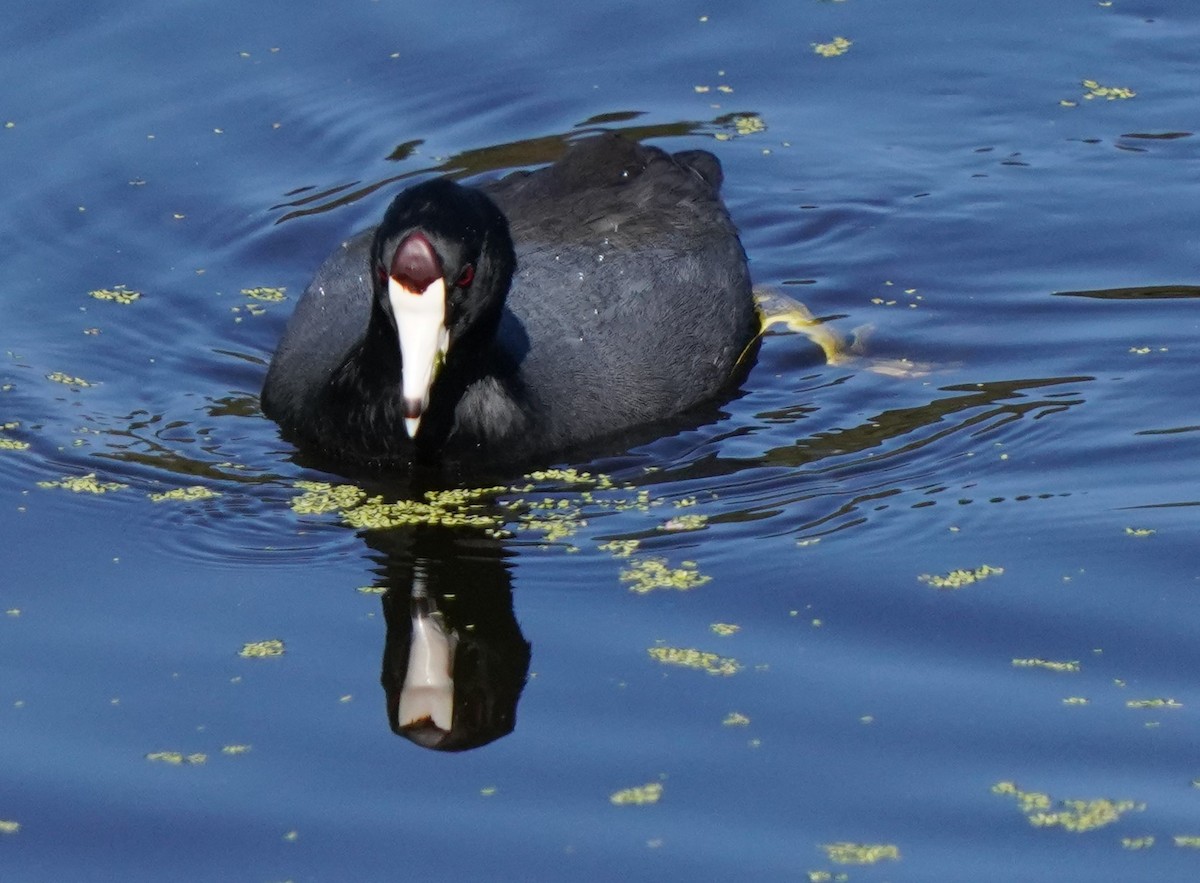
(427, 697)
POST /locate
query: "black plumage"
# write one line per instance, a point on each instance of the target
(628, 301)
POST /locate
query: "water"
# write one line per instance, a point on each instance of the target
(927, 191)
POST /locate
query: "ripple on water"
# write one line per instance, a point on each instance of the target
(771, 553)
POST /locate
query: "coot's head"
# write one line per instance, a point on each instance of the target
(441, 263)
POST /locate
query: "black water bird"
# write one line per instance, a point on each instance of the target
(531, 314)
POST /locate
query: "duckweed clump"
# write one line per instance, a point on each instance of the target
(375, 514)
(271, 295)
(1136, 843)
(176, 758)
(956, 579)
(119, 295)
(68, 380)
(835, 47)
(743, 124)
(698, 660)
(1047, 664)
(320, 497)
(83, 484)
(1153, 703)
(1076, 816)
(620, 548)
(845, 853)
(649, 574)
(556, 518)
(599, 482)
(555, 514)
(639, 796)
(684, 522)
(1084, 815)
(1108, 93)
(262, 649)
(184, 494)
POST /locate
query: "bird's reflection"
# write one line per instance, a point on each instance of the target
(455, 660)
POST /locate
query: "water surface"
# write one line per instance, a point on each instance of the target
(944, 191)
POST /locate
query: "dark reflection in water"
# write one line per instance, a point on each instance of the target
(990, 404)
(455, 660)
(498, 157)
(877, 446)
(902, 430)
(151, 440)
(1157, 136)
(1143, 292)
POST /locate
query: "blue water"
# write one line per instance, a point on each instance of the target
(927, 192)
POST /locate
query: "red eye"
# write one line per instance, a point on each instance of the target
(466, 277)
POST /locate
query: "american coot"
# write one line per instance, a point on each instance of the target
(628, 301)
